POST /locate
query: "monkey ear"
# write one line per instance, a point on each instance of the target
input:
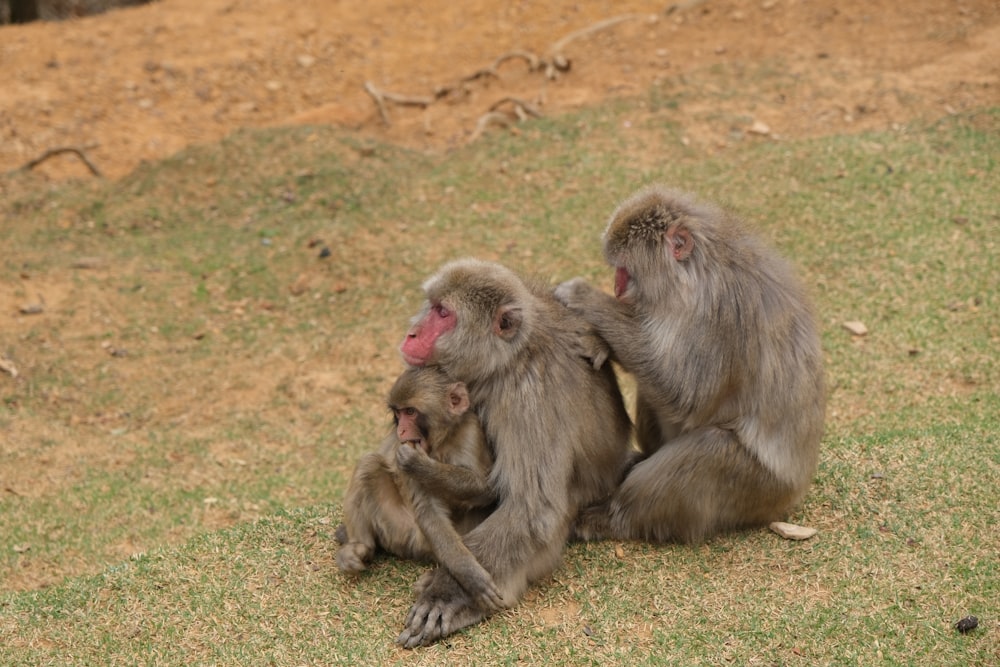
(507, 321)
(680, 242)
(458, 398)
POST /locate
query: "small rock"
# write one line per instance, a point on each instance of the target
(88, 263)
(856, 328)
(7, 366)
(790, 531)
(967, 624)
(305, 60)
(301, 285)
(760, 127)
(32, 309)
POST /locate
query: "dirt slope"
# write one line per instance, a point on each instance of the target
(138, 84)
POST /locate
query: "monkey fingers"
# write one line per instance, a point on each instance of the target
(408, 457)
(478, 583)
(572, 293)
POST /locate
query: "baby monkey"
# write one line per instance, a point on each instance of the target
(425, 486)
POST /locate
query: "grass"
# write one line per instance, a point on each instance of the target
(175, 503)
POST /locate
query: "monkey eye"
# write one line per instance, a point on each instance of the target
(409, 412)
(442, 310)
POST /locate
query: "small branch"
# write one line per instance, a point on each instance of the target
(383, 96)
(557, 62)
(529, 57)
(521, 108)
(52, 152)
(407, 101)
(487, 119)
(379, 102)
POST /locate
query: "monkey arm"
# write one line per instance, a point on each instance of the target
(432, 517)
(613, 321)
(454, 485)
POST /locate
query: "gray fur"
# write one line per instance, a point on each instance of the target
(557, 425)
(726, 355)
(414, 503)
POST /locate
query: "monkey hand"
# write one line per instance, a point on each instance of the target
(573, 293)
(410, 458)
(592, 347)
(443, 607)
(478, 583)
(351, 557)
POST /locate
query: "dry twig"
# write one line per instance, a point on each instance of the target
(383, 96)
(521, 108)
(52, 152)
(487, 119)
(557, 62)
(553, 63)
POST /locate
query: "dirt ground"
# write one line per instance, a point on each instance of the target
(141, 83)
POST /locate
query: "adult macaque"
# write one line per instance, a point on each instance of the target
(429, 472)
(556, 423)
(725, 351)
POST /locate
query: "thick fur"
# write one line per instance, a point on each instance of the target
(414, 503)
(726, 355)
(557, 425)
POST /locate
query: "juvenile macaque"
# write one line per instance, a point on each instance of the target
(724, 348)
(552, 413)
(427, 482)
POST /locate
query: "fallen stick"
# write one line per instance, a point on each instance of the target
(382, 96)
(521, 108)
(52, 152)
(557, 62)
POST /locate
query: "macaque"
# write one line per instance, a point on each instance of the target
(425, 484)
(553, 416)
(725, 351)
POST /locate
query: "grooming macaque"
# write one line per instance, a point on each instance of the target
(553, 416)
(726, 356)
(425, 484)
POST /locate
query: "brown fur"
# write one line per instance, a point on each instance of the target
(726, 354)
(557, 426)
(406, 496)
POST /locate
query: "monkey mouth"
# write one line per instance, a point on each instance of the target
(417, 443)
(623, 280)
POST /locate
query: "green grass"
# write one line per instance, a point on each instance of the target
(176, 504)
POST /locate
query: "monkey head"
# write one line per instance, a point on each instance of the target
(425, 405)
(411, 427)
(476, 317)
(654, 239)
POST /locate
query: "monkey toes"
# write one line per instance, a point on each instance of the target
(443, 607)
(351, 557)
(593, 523)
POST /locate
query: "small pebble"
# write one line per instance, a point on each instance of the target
(967, 624)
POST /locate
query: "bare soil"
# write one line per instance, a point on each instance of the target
(140, 83)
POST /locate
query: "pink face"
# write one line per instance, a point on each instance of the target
(621, 281)
(408, 430)
(418, 346)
